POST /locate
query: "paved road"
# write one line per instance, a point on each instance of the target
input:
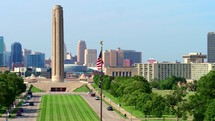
(30, 112)
(107, 115)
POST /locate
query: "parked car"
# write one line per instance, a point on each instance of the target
(24, 104)
(92, 94)
(110, 108)
(31, 103)
(21, 109)
(97, 98)
(18, 113)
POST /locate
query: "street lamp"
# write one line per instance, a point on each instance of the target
(119, 105)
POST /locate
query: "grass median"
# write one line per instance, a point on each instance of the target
(65, 108)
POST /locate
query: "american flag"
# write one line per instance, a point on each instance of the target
(99, 61)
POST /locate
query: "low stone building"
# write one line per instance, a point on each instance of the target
(121, 71)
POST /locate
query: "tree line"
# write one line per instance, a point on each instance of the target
(137, 92)
(11, 86)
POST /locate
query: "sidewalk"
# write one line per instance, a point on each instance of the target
(115, 106)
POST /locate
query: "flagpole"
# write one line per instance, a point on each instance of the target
(101, 73)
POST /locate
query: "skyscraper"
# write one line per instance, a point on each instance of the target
(2, 50)
(134, 56)
(90, 57)
(25, 52)
(16, 53)
(35, 60)
(7, 58)
(80, 52)
(211, 47)
(65, 51)
(57, 44)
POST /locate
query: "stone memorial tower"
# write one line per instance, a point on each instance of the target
(57, 44)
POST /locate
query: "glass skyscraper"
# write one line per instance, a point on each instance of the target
(16, 53)
(35, 60)
(2, 50)
(211, 47)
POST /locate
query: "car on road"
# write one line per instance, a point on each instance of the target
(31, 103)
(92, 94)
(19, 113)
(21, 109)
(24, 104)
(110, 108)
(97, 98)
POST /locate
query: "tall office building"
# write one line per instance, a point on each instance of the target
(80, 52)
(134, 56)
(113, 57)
(120, 58)
(25, 52)
(57, 44)
(35, 60)
(2, 50)
(90, 57)
(65, 51)
(7, 59)
(211, 47)
(16, 53)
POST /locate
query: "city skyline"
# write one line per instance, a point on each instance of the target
(164, 30)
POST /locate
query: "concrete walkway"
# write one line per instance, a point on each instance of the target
(115, 106)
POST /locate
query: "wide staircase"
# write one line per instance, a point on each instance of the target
(47, 85)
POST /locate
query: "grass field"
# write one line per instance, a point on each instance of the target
(83, 88)
(33, 89)
(65, 108)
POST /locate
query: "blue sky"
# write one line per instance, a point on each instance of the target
(160, 29)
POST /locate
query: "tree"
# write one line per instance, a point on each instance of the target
(192, 86)
(10, 86)
(199, 103)
(197, 107)
(158, 105)
(177, 105)
(106, 82)
(171, 82)
(210, 112)
(206, 85)
(96, 79)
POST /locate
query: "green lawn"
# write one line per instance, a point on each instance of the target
(65, 108)
(33, 89)
(165, 92)
(83, 88)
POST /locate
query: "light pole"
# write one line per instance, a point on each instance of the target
(119, 105)
(101, 73)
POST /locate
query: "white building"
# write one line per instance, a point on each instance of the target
(194, 58)
(161, 71)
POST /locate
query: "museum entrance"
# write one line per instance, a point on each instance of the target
(58, 89)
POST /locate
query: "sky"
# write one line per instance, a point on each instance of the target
(160, 29)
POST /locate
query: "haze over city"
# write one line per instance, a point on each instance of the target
(164, 30)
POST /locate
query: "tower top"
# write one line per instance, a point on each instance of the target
(57, 6)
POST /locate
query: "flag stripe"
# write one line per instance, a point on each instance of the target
(99, 61)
